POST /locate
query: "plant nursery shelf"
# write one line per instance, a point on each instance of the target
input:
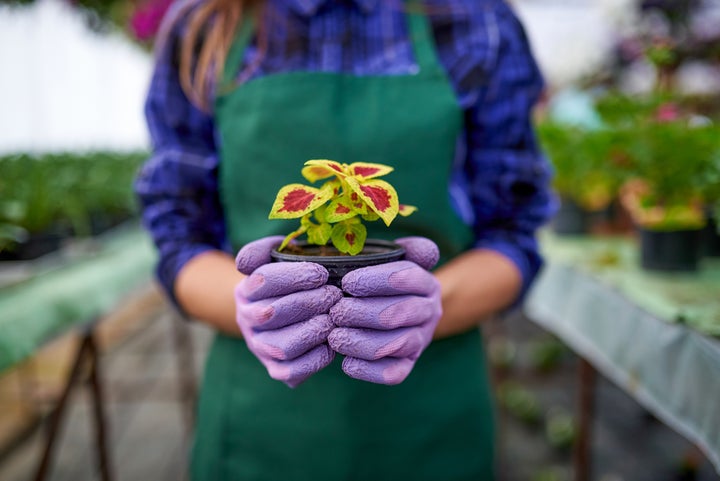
(657, 336)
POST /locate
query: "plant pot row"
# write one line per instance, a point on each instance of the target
(660, 250)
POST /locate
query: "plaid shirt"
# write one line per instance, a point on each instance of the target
(500, 182)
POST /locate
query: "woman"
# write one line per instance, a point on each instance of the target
(243, 93)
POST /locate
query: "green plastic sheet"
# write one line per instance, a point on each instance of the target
(689, 298)
(652, 334)
(62, 295)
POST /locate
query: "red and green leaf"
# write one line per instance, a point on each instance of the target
(405, 210)
(339, 210)
(367, 170)
(349, 236)
(354, 200)
(317, 169)
(378, 195)
(331, 188)
(296, 200)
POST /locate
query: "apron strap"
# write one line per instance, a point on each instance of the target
(422, 38)
(420, 35)
(234, 59)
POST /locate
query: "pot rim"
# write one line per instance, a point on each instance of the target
(391, 246)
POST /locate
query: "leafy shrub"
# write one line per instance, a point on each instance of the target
(64, 192)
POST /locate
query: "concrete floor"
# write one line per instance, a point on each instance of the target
(149, 430)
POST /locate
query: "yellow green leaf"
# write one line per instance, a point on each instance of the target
(370, 216)
(367, 170)
(317, 169)
(405, 210)
(296, 200)
(378, 195)
(319, 234)
(349, 237)
(339, 210)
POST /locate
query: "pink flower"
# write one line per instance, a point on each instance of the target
(146, 19)
(667, 113)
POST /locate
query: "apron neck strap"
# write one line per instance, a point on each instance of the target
(234, 59)
(418, 25)
(423, 40)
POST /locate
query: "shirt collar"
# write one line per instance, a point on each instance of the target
(310, 7)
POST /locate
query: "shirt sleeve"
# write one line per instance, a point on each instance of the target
(508, 178)
(177, 186)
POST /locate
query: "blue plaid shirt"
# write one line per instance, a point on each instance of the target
(500, 182)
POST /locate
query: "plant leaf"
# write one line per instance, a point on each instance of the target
(319, 234)
(405, 210)
(322, 169)
(370, 216)
(378, 195)
(296, 200)
(320, 214)
(331, 187)
(339, 210)
(358, 204)
(366, 170)
(349, 237)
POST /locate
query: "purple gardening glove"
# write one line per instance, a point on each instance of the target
(391, 319)
(282, 310)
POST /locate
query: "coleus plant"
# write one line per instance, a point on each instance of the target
(335, 211)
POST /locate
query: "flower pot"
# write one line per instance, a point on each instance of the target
(571, 219)
(711, 238)
(36, 245)
(375, 252)
(671, 251)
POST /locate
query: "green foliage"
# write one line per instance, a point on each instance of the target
(560, 428)
(64, 192)
(587, 166)
(678, 160)
(657, 139)
(547, 354)
(520, 402)
(101, 15)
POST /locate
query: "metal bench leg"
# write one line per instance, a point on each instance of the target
(582, 454)
(87, 349)
(101, 434)
(182, 343)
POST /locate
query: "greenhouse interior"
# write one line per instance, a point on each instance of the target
(606, 368)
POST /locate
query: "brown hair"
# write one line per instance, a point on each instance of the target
(203, 49)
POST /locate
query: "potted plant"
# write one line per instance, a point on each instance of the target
(96, 193)
(673, 164)
(332, 216)
(585, 174)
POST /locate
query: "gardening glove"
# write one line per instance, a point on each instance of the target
(391, 318)
(282, 310)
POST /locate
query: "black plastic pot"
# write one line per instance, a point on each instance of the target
(35, 246)
(670, 251)
(570, 219)
(375, 252)
(711, 238)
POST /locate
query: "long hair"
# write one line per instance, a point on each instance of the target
(211, 26)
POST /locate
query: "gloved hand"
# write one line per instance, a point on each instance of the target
(282, 310)
(391, 319)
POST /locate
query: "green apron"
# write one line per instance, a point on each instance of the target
(437, 424)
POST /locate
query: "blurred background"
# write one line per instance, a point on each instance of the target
(629, 120)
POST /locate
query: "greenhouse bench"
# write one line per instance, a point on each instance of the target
(655, 335)
(74, 292)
